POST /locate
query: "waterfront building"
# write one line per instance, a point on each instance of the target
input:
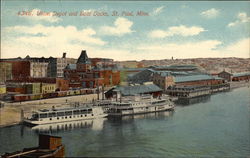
(56, 65)
(38, 69)
(84, 74)
(14, 69)
(80, 75)
(102, 62)
(37, 85)
(141, 77)
(166, 79)
(48, 88)
(181, 91)
(241, 76)
(38, 66)
(163, 79)
(23, 87)
(226, 75)
(62, 84)
(183, 68)
(33, 88)
(17, 88)
(2, 89)
(110, 76)
(6, 72)
(202, 79)
(132, 90)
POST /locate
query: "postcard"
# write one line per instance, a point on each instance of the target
(124, 78)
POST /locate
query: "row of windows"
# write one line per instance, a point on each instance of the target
(66, 113)
(71, 117)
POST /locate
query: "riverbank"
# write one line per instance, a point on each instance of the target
(10, 114)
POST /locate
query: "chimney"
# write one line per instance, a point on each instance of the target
(64, 55)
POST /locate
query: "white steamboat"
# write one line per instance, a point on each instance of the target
(138, 105)
(46, 116)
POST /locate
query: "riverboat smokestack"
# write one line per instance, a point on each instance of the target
(120, 97)
(98, 92)
(102, 92)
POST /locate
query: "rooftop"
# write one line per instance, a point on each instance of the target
(83, 59)
(193, 78)
(137, 89)
(241, 74)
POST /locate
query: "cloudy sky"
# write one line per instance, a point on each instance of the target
(190, 29)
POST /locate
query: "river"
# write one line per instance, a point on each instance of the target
(217, 127)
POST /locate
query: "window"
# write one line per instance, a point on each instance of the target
(52, 114)
(68, 113)
(75, 112)
(60, 114)
(43, 115)
(83, 111)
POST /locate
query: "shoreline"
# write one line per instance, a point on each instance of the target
(10, 114)
(13, 110)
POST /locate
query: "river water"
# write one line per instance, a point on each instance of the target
(217, 127)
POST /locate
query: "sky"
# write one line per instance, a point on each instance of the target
(125, 30)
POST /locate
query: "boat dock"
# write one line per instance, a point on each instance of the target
(188, 92)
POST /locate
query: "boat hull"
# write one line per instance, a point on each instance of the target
(63, 119)
(137, 112)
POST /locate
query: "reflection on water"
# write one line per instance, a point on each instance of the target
(156, 115)
(195, 100)
(212, 128)
(95, 124)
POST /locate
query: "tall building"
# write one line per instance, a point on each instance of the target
(56, 65)
(14, 69)
(80, 75)
(38, 66)
(85, 74)
(5, 72)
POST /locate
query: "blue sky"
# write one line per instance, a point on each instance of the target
(182, 29)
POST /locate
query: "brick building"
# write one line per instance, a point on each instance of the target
(241, 76)
(226, 75)
(6, 72)
(166, 79)
(18, 69)
(37, 85)
(85, 74)
(101, 62)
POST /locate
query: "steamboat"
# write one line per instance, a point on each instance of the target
(53, 115)
(132, 105)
